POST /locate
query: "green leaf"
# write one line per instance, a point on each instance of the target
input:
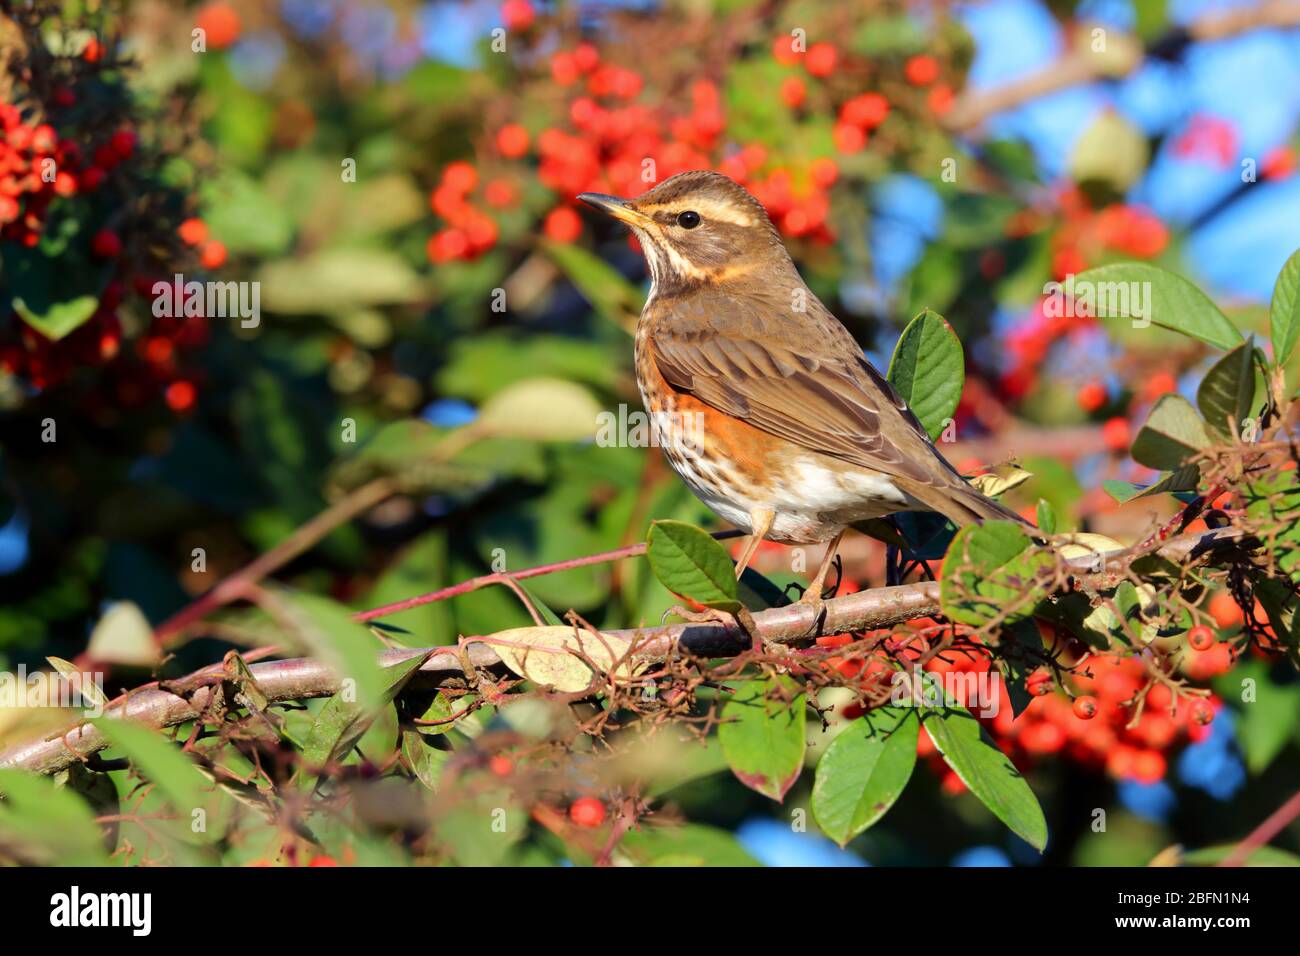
(331, 633)
(1227, 393)
(158, 759)
(612, 296)
(928, 370)
(58, 319)
(763, 736)
(987, 772)
(1162, 297)
(341, 723)
(543, 409)
(1173, 433)
(1273, 502)
(864, 771)
(426, 760)
(688, 562)
(1046, 517)
(692, 844)
(1284, 310)
(333, 280)
(55, 296)
(242, 215)
(1265, 724)
(46, 825)
(1184, 479)
(1261, 856)
(987, 568)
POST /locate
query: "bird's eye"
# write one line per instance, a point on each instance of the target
(688, 219)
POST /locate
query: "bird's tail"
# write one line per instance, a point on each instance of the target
(960, 502)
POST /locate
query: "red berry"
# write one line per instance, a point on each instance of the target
(1200, 638)
(90, 178)
(193, 231)
(562, 224)
(1085, 707)
(1092, 396)
(501, 765)
(500, 193)
(564, 69)
(44, 139)
(867, 110)
(180, 395)
(20, 138)
(219, 23)
(447, 245)
(65, 184)
(821, 59)
(1115, 434)
(323, 861)
(92, 51)
(512, 141)
(1225, 610)
(212, 255)
(1202, 712)
(783, 50)
(586, 57)
(518, 14)
(921, 70)
(793, 92)
(460, 177)
(1149, 766)
(940, 99)
(9, 209)
(1039, 684)
(123, 143)
(587, 812)
(824, 171)
(848, 138)
(106, 245)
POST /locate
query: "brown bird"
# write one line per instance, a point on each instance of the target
(760, 398)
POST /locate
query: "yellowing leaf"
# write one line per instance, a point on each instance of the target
(123, 636)
(550, 655)
(546, 409)
(995, 483)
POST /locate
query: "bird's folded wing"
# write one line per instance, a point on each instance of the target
(821, 394)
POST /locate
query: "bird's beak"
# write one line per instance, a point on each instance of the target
(615, 208)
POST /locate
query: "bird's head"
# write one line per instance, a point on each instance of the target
(699, 227)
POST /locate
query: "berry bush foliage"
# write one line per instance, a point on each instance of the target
(388, 574)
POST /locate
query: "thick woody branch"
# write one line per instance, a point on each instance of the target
(306, 678)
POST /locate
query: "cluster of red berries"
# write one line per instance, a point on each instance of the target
(1085, 234)
(613, 144)
(1094, 729)
(1092, 726)
(194, 233)
(469, 231)
(36, 165)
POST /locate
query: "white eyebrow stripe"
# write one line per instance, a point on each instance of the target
(708, 209)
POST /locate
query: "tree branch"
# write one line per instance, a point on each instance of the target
(305, 678)
(1123, 55)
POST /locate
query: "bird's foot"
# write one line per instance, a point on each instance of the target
(814, 598)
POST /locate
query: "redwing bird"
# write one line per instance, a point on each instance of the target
(796, 435)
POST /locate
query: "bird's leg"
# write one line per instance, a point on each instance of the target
(813, 595)
(760, 520)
